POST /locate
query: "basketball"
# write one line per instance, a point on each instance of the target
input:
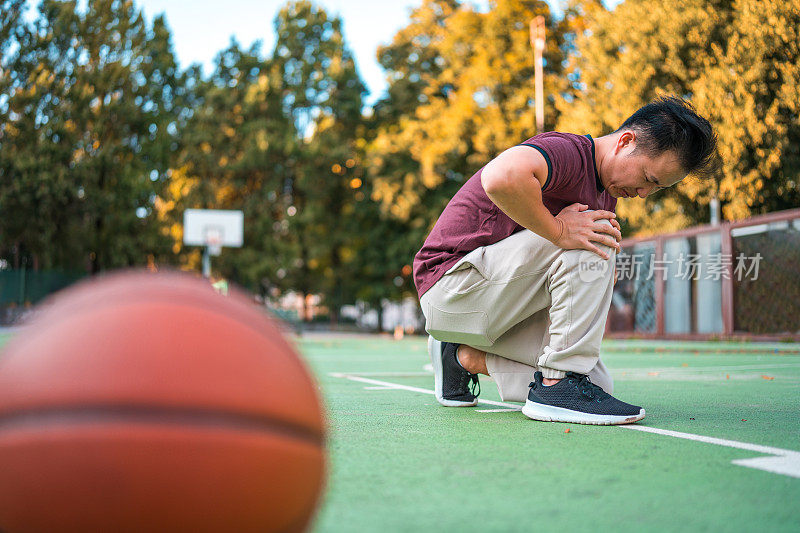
(148, 402)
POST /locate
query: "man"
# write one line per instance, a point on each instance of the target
(515, 279)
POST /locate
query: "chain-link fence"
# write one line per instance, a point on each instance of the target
(633, 303)
(732, 279)
(770, 302)
(20, 289)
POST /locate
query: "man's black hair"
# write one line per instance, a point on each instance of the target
(671, 123)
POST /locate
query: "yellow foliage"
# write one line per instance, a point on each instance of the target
(347, 254)
(225, 193)
(479, 105)
(262, 140)
(740, 64)
(653, 216)
(179, 186)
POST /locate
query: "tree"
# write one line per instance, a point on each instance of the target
(234, 156)
(473, 104)
(89, 136)
(322, 93)
(10, 26)
(622, 60)
(750, 88)
(460, 91)
(736, 61)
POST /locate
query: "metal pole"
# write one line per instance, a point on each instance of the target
(537, 42)
(206, 263)
(714, 205)
(728, 303)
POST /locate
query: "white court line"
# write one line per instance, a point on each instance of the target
(498, 410)
(777, 460)
(352, 377)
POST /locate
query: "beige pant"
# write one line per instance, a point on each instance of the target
(530, 305)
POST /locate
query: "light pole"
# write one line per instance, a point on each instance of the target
(537, 42)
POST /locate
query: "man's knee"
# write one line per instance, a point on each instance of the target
(610, 250)
(588, 265)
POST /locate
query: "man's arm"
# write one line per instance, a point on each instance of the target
(514, 180)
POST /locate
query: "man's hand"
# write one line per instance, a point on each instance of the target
(580, 229)
(513, 181)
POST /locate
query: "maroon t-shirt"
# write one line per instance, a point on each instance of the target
(471, 219)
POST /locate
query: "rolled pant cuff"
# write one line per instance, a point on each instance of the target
(552, 373)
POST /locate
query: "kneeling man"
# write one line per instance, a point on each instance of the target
(515, 279)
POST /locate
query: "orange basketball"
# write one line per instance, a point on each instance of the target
(148, 402)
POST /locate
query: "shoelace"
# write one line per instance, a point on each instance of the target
(586, 387)
(476, 384)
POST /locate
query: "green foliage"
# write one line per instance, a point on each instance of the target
(87, 135)
(10, 15)
(322, 93)
(277, 138)
(318, 70)
(233, 156)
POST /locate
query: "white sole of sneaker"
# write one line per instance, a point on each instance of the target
(549, 413)
(435, 350)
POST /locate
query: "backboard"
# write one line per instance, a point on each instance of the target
(214, 228)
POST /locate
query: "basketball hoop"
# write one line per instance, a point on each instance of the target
(212, 229)
(213, 238)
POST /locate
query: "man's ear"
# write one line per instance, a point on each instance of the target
(626, 139)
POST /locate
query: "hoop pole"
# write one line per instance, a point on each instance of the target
(206, 263)
(537, 27)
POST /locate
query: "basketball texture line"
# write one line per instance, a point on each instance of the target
(150, 415)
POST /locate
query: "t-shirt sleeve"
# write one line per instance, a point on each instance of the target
(564, 164)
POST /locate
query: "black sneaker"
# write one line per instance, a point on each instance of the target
(576, 399)
(454, 386)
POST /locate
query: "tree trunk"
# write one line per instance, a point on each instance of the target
(379, 326)
(306, 310)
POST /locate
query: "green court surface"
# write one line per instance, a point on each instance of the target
(400, 462)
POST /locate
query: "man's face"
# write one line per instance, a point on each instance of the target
(629, 173)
